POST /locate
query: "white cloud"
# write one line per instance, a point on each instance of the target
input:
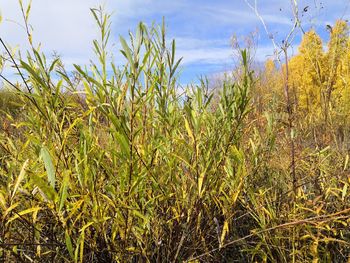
(243, 17)
(208, 55)
(68, 27)
(191, 42)
(208, 51)
(136, 8)
(214, 51)
(63, 26)
(264, 52)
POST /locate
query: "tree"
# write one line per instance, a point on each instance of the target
(335, 62)
(306, 72)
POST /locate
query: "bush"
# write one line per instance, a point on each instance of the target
(132, 171)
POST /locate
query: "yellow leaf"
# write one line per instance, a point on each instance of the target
(20, 178)
(8, 210)
(200, 183)
(86, 226)
(344, 191)
(2, 201)
(224, 232)
(189, 131)
(24, 212)
(346, 162)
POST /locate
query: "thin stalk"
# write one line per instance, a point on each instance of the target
(290, 122)
(322, 218)
(23, 79)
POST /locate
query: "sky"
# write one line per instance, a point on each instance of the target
(202, 28)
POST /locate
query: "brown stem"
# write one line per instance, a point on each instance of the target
(290, 122)
(322, 218)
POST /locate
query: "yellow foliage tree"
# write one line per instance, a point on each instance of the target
(307, 76)
(269, 86)
(338, 66)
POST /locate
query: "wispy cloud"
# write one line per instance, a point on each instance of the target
(63, 26)
(205, 55)
(207, 51)
(241, 17)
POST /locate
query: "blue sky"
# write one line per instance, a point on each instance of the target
(202, 29)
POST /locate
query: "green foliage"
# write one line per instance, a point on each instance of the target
(118, 167)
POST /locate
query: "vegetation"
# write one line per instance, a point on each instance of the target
(121, 167)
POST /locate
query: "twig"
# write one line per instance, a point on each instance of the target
(289, 107)
(23, 79)
(15, 64)
(322, 218)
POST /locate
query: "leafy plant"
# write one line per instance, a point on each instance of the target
(117, 166)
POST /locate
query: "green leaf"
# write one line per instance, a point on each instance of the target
(94, 13)
(64, 191)
(244, 56)
(53, 64)
(48, 191)
(175, 67)
(88, 78)
(34, 75)
(28, 9)
(45, 155)
(173, 48)
(127, 51)
(69, 244)
(123, 142)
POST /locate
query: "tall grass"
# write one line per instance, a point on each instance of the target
(119, 167)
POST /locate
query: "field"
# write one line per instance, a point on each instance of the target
(124, 165)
